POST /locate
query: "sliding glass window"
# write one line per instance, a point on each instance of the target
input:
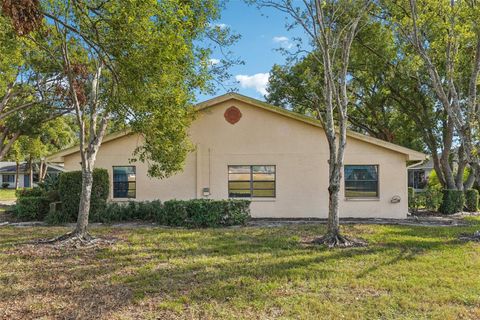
(361, 181)
(251, 181)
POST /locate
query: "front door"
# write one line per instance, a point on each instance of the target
(26, 181)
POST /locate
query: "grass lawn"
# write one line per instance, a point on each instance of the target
(7, 194)
(243, 273)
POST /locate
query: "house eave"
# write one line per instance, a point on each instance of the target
(59, 156)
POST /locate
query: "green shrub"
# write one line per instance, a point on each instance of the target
(53, 195)
(197, 213)
(56, 217)
(433, 199)
(148, 210)
(416, 199)
(32, 204)
(200, 213)
(174, 213)
(411, 198)
(471, 200)
(452, 201)
(30, 192)
(117, 212)
(70, 187)
(112, 212)
(31, 208)
(50, 183)
(433, 181)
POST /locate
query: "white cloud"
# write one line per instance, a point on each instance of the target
(280, 39)
(258, 81)
(214, 61)
(221, 25)
(283, 41)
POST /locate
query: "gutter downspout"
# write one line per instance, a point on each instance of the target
(414, 164)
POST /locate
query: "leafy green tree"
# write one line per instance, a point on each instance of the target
(330, 27)
(443, 39)
(28, 85)
(50, 137)
(132, 63)
(389, 98)
(16, 154)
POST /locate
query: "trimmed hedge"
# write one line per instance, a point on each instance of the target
(70, 187)
(30, 192)
(471, 200)
(201, 213)
(452, 201)
(116, 212)
(31, 208)
(197, 213)
(57, 217)
(32, 204)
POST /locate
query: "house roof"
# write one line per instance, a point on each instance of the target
(11, 167)
(58, 156)
(8, 166)
(412, 155)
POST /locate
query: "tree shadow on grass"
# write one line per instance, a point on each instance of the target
(411, 242)
(275, 262)
(14, 236)
(205, 266)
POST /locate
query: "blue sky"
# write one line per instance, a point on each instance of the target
(262, 31)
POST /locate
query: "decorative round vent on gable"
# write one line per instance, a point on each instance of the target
(232, 115)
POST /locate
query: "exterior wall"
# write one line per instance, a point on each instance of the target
(261, 137)
(119, 151)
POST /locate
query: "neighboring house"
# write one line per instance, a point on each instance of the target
(8, 172)
(248, 149)
(418, 175)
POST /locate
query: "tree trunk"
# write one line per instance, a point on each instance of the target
(444, 158)
(470, 180)
(438, 170)
(31, 172)
(17, 169)
(462, 163)
(88, 163)
(6, 143)
(40, 171)
(44, 172)
(84, 207)
(333, 228)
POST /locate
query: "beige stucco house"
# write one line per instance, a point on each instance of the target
(246, 148)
